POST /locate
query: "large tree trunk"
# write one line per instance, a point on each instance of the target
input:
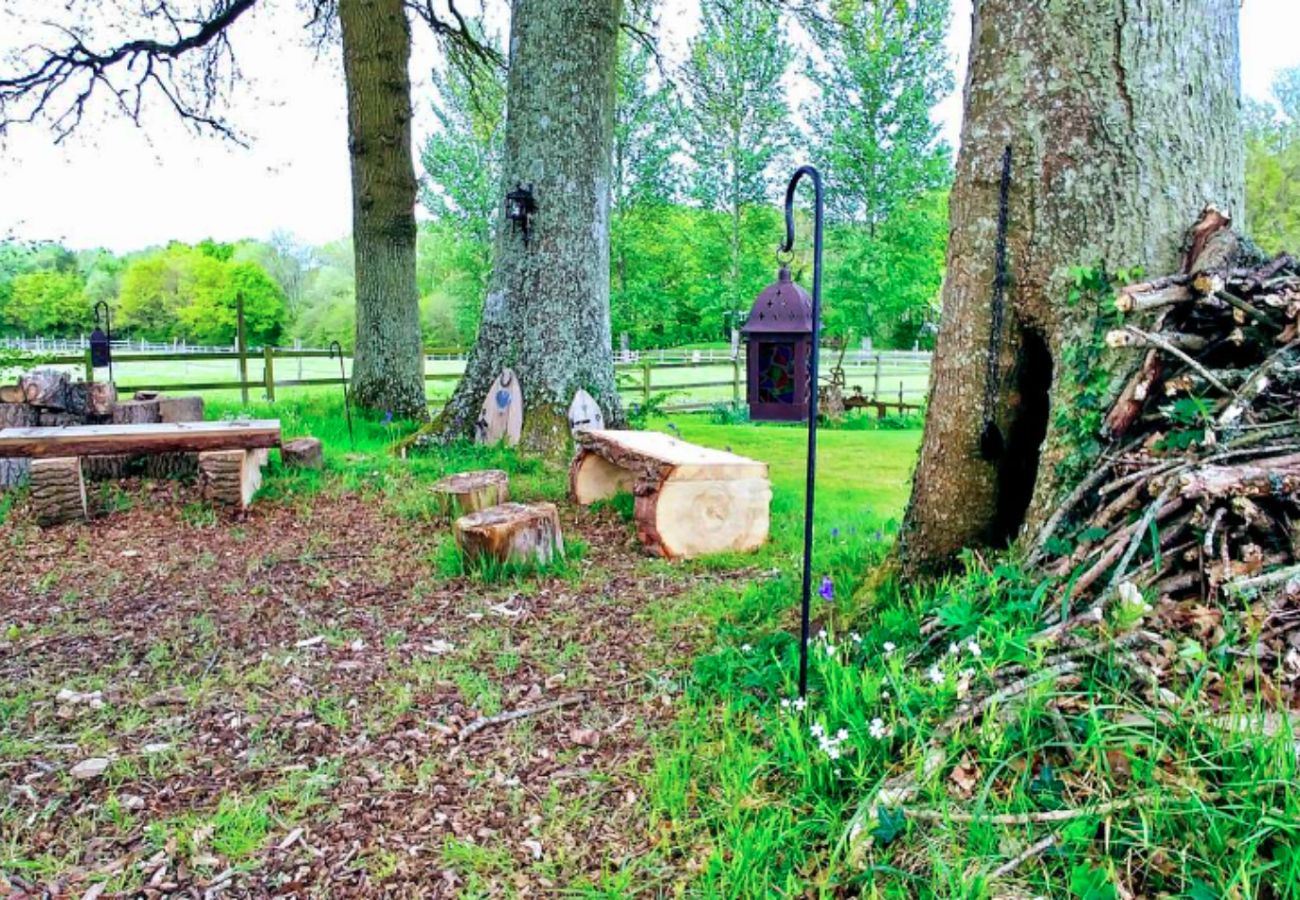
(388, 369)
(1123, 118)
(546, 315)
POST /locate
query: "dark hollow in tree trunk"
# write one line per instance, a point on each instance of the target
(1018, 466)
(1074, 88)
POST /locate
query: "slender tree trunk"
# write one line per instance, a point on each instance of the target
(546, 315)
(1123, 118)
(388, 370)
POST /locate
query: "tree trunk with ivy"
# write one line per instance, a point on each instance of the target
(546, 315)
(1123, 121)
(388, 368)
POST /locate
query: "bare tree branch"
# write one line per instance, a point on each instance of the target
(190, 72)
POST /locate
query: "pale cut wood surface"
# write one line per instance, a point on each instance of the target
(177, 437)
(231, 477)
(690, 500)
(511, 533)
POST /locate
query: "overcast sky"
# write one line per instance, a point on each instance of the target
(123, 188)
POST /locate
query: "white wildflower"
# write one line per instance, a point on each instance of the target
(934, 674)
(953, 649)
(745, 648)
(842, 735)
(855, 637)
(817, 730)
(830, 650)
(878, 730)
(890, 647)
(821, 635)
(973, 648)
(800, 704)
(785, 702)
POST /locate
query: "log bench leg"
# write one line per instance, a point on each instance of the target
(231, 477)
(58, 492)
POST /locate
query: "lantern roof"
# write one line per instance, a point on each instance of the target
(782, 307)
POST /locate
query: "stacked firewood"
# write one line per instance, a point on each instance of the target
(1197, 499)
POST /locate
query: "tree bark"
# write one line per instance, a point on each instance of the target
(388, 367)
(1124, 122)
(546, 315)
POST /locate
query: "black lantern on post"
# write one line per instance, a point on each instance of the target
(778, 345)
(782, 336)
(101, 341)
(520, 206)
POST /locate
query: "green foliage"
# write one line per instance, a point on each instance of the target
(1273, 165)
(49, 303)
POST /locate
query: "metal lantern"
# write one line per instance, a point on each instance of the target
(101, 341)
(520, 206)
(778, 342)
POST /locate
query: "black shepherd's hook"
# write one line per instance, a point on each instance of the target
(347, 400)
(108, 332)
(811, 483)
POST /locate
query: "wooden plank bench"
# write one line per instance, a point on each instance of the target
(231, 456)
(690, 500)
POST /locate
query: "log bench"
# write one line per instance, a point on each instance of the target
(690, 500)
(230, 458)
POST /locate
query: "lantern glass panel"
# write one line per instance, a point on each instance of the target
(776, 372)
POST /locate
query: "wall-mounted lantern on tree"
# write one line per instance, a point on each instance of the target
(778, 345)
(101, 340)
(520, 207)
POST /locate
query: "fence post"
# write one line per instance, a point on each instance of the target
(241, 340)
(645, 384)
(90, 367)
(875, 379)
(268, 371)
(735, 380)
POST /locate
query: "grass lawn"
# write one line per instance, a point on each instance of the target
(277, 703)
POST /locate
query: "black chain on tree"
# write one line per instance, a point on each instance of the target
(992, 443)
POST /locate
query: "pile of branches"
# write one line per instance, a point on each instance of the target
(1197, 500)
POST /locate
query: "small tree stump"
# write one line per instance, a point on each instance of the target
(136, 412)
(47, 388)
(15, 415)
(58, 493)
(12, 393)
(175, 465)
(231, 477)
(302, 453)
(520, 533)
(468, 492)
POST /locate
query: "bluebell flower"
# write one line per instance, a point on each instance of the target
(827, 590)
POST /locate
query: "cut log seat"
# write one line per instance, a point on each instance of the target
(690, 500)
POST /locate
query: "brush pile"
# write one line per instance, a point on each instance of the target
(1197, 499)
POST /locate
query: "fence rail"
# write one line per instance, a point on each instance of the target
(883, 379)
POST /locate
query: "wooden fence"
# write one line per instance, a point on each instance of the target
(884, 379)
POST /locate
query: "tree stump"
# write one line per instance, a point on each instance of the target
(174, 465)
(46, 388)
(91, 399)
(12, 393)
(302, 453)
(690, 500)
(468, 492)
(518, 533)
(106, 468)
(231, 477)
(15, 415)
(119, 465)
(58, 493)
